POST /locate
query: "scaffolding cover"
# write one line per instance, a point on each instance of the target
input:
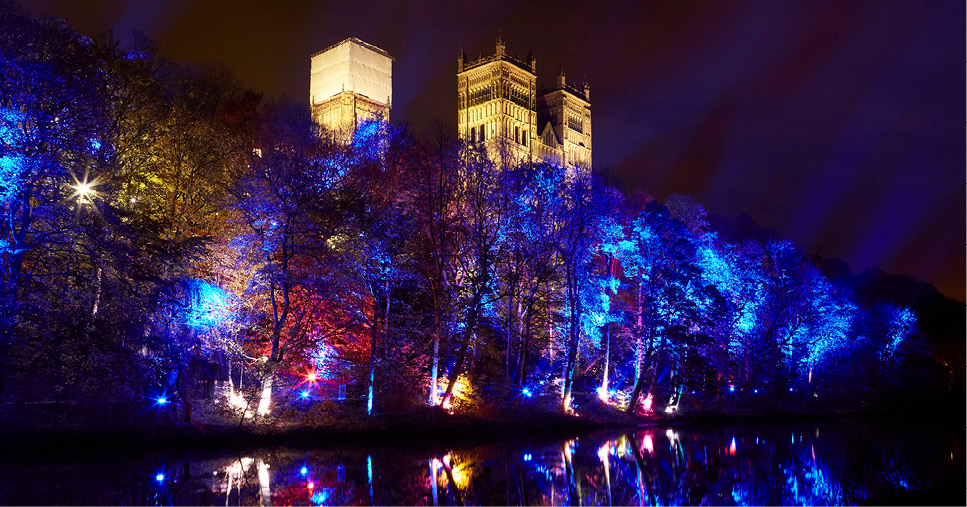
(352, 66)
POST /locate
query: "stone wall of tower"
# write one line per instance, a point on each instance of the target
(499, 105)
(496, 100)
(349, 83)
(565, 111)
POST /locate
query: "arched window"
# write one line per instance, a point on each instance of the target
(516, 134)
(523, 138)
(473, 134)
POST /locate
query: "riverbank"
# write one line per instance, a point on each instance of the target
(419, 428)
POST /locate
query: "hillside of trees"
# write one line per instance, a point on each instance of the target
(174, 248)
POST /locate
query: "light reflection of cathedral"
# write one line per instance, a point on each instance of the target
(498, 103)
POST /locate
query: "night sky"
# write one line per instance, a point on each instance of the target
(840, 125)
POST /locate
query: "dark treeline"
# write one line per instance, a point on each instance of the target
(174, 247)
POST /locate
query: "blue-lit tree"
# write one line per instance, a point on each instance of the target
(479, 232)
(670, 295)
(289, 202)
(582, 205)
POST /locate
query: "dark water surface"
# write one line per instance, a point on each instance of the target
(848, 461)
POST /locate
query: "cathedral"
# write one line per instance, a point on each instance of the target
(498, 103)
(349, 83)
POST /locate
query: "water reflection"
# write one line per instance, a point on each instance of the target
(835, 462)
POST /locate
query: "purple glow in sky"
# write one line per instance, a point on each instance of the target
(838, 124)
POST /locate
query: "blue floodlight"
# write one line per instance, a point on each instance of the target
(159, 477)
(527, 392)
(304, 471)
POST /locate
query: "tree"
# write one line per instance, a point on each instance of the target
(289, 200)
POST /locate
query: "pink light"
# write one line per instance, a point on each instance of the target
(646, 404)
(311, 377)
(732, 447)
(310, 485)
(649, 445)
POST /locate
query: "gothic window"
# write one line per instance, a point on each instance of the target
(473, 134)
(523, 138)
(575, 123)
(482, 134)
(516, 134)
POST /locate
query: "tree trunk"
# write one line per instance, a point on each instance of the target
(510, 333)
(572, 342)
(435, 361)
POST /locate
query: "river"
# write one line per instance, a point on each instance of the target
(827, 462)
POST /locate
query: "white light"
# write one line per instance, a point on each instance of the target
(159, 477)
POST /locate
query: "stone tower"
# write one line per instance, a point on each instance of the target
(564, 117)
(496, 105)
(499, 105)
(349, 83)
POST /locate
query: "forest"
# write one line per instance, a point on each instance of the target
(173, 246)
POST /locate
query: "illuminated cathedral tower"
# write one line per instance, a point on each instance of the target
(499, 105)
(349, 83)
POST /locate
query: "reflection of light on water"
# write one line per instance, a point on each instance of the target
(234, 473)
(732, 447)
(649, 445)
(461, 476)
(369, 475)
(434, 470)
(264, 487)
(322, 496)
(672, 438)
(568, 449)
(603, 452)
